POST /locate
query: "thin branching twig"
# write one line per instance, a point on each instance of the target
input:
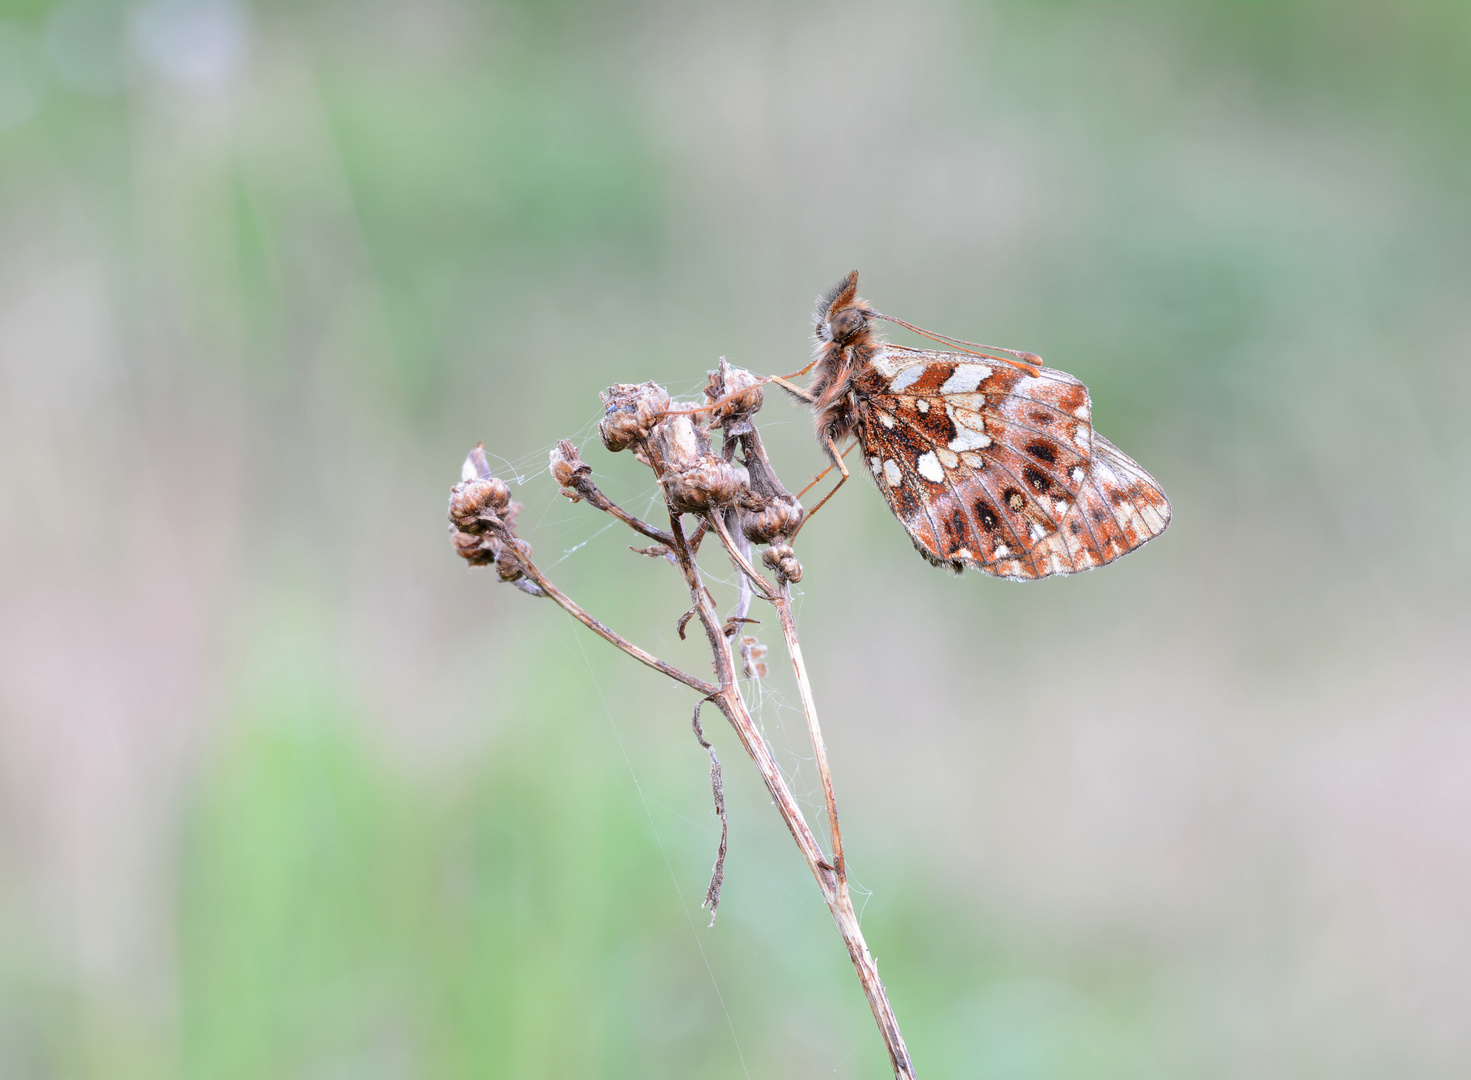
(737, 497)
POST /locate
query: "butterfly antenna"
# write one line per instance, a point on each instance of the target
(1030, 360)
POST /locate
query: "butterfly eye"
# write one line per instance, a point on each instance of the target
(847, 324)
(824, 332)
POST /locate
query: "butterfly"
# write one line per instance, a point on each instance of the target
(987, 460)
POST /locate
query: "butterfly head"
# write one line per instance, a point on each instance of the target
(842, 318)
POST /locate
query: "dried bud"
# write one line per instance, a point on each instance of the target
(737, 391)
(693, 478)
(481, 511)
(782, 559)
(567, 464)
(776, 521)
(476, 550)
(712, 483)
(507, 562)
(630, 412)
(475, 505)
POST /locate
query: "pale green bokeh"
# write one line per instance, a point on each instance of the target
(286, 792)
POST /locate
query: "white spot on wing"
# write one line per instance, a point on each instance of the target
(1077, 474)
(965, 378)
(966, 418)
(973, 459)
(906, 378)
(886, 420)
(876, 466)
(966, 439)
(948, 458)
(1002, 551)
(922, 405)
(891, 472)
(1026, 387)
(929, 467)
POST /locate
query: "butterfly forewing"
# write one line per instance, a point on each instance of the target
(987, 461)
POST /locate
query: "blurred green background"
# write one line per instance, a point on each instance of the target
(285, 791)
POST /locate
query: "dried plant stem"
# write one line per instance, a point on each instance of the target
(696, 482)
(781, 599)
(783, 605)
(831, 876)
(583, 485)
(571, 607)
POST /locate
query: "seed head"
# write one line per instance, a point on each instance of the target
(481, 512)
(474, 505)
(782, 559)
(479, 550)
(693, 478)
(629, 413)
(566, 466)
(777, 520)
(738, 392)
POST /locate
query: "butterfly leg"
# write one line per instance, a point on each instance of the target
(781, 380)
(832, 450)
(818, 478)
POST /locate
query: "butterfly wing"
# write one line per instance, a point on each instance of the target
(989, 463)
(1119, 508)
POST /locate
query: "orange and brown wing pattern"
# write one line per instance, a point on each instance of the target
(988, 463)
(1119, 508)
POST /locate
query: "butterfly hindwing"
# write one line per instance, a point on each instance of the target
(1119, 508)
